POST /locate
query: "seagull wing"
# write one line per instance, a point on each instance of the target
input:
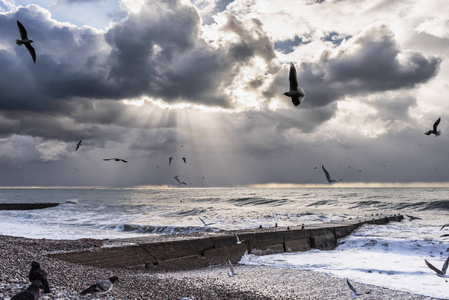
(237, 237)
(202, 221)
(231, 267)
(445, 225)
(125, 161)
(32, 52)
(435, 125)
(351, 287)
(444, 268)
(293, 78)
(434, 268)
(428, 132)
(328, 177)
(106, 159)
(23, 31)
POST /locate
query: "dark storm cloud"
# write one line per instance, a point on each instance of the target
(373, 63)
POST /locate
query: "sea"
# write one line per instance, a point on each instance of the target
(389, 255)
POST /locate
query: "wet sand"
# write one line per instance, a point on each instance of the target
(251, 282)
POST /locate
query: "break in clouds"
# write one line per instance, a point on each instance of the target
(169, 53)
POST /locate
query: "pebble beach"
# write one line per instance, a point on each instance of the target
(251, 282)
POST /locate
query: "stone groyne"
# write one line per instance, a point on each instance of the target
(189, 251)
(26, 206)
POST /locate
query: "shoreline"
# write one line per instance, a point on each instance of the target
(251, 282)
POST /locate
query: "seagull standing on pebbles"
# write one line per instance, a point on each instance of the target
(101, 286)
(30, 293)
(36, 273)
(440, 273)
(26, 41)
(434, 130)
(296, 93)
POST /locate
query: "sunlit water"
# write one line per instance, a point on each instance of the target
(387, 255)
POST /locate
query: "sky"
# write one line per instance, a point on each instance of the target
(145, 80)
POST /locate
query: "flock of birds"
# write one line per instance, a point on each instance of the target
(38, 279)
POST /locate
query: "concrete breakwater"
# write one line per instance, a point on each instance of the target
(26, 206)
(189, 251)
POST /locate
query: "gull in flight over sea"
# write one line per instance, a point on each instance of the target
(101, 286)
(179, 182)
(205, 224)
(116, 159)
(78, 145)
(231, 271)
(434, 130)
(238, 241)
(328, 176)
(26, 41)
(440, 273)
(296, 93)
(354, 291)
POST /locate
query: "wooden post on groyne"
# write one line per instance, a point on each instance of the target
(189, 251)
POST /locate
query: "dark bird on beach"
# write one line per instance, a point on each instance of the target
(170, 159)
(25, 41)
(116, 159)
(78, 145)
(296, 93)
(184, 159)
(440, 273)
(101, 286)
(411, 218)
(205, 224)
(354, 291)
(328, 176)
(434, 130)
(36, 273)
(30, 293)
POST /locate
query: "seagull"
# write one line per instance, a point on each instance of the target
(411, 218)
(30, 293)
(101, 286)
(205, 224)
(440, 273)
(116, 159)
(184, 159)
(36, 273)
(354, 291)
(445, 225)
(170, 159)
(328, 176)
(296, 93)
(238, 241)
(434, 130)
(78, 145)
(231, 271)
(25, 41)
(176, 177)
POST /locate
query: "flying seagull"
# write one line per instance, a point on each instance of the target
(25, 41)
(36, 273)
(184, 159)
(101, 286)
(296, 93)
(411, 218)
(231, 271)
(170, 159)
(354, 291)
(237, 240)
(116, 159)
(445, 225)
(78, 145)
(328, 176)
(30, 293)
(434, 130)
(440, 273)
(205, 224)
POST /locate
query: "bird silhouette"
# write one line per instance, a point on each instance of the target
(296, 93)
(440, 273)
(184, 159)
(116, 159)
(354, 291)
(434, 129)
(25, 41)
(36, 273)
(205, 224)
(30, 293)
(170, 159)
(328, 176)
(78, 145)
